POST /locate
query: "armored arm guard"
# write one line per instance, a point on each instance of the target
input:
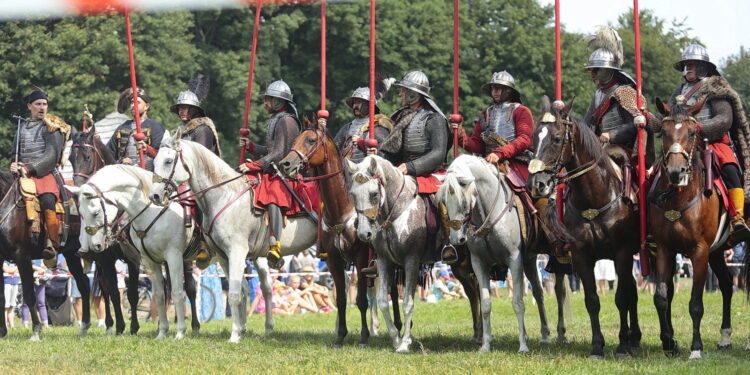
(205, 137)
(437, 130)
(625, 134)
(285, 132)
(716, 127)
(47, 162)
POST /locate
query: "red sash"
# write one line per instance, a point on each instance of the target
(429, 184)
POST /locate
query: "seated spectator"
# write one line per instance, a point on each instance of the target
(445, 288)
(319, 293)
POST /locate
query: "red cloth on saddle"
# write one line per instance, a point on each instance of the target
(722, 151)
(272, 190)
(429, 184)
(521, 170)
(47, 184)
(723, 193)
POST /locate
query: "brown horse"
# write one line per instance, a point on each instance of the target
(600, 224)
(315, 151)
(686, 217)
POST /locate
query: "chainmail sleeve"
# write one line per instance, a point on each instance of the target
(46, 163)
(437, 131)
(285, 133)
(715, 128)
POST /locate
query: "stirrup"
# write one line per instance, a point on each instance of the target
(371, 270)
(740, 232)
(449, 255)
(274, 256)
(202, 260)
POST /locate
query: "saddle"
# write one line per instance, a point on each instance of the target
(34, 208)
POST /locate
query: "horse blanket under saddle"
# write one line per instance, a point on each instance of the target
(428, 183)
(269, 188)
(30, 192)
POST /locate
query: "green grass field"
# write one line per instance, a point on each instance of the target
(301, 345)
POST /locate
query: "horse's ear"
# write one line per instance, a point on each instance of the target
(372, 169)
(177, 134)
(568, 107)
(546, 106)
(662, 107)
(75, 190)
(92, 130)
(695, 108)
(351, 166)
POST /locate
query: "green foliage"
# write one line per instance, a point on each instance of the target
(737, 72)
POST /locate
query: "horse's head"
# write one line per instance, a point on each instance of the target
(85, 157)
(552, 146)
(368, 193)
(98, 218)
(312, 147)
(457, 197)
(680, 137)
(170, 170)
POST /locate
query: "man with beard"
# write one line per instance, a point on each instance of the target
(350, 139)
(722, 121)
(123, 144)
(39, 146)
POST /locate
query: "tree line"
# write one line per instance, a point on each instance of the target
(83, 60)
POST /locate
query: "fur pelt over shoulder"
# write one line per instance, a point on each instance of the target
(380, 120)
(717, 88)
(200, 121)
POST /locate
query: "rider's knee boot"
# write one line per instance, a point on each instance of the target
(275, 219)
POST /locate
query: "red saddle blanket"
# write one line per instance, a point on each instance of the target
(272, 190)
(428, 183)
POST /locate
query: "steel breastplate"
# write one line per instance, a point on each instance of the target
(272, 123)
(415, 140)
(500, 124)
(705, 113)
(612, 119)
(355, 129)
(31, 141)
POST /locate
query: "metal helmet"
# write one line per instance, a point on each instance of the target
(416, 81)
(602, 58)
(501, 78)
(360, 93)
(187, 98)
(279, 89)
(695, 52)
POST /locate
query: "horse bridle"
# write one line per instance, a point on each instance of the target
(677, 148)
(487, 224)
(99, 159)
(558, 166)
(170, 185)
(108, 228)
(305, 158)
(372, 213)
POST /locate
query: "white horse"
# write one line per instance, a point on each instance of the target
(479, 204)
(157, 233)
(232, 227)
(392, 217)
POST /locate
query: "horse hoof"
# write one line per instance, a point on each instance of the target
(562, 340)
(523, 349)
(196, 330)
(35, 338)
(269, 331)
(723, 347)
(545, 341)
(161, 336)
(110, 331)
(477, 340)
(695, 355)
(179, 335)
(747, 347)
(337, 345)
(596, 356)
(622, 356)
(484, 348)
(402, 350)
(235, 338)
(363, 345)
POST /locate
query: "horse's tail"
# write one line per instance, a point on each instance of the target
(556, 225)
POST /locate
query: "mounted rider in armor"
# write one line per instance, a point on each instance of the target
(722, 122)
(39, 147)
(282, 128)
(350, 139)
(419, 142)
(195, 127)
(123, 144)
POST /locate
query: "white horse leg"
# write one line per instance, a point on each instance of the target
(157, 278)
(516, 271)
(411, 274)
(261, 264)
(485, 303)
(235, 275)
(385, 269)
(561, 292)
(374, 317)
(536, 289)
(174, 260)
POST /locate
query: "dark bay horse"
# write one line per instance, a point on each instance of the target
(314, 151)
(600, 224)
(687, 217)
(17, 245)
(88, 154)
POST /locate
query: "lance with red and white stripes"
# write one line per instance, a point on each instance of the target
(245, 130)
(640, 123)
(455, 117)
(139, 136)
(371, 141)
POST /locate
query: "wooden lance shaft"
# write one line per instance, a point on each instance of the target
(640, 123)
(371, 141)
(455, 117)
(139, 136)
(245, 130)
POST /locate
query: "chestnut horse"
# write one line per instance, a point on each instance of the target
(315, 151)
(601, 224)
(687, 217)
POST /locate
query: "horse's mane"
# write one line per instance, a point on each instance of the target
(458, 169)
(589, 139)
(80, 137)
(103, 178)
(217, 169)
(6, 181)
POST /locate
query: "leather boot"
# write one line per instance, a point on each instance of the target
(274, 255)
(740, 231)
(49, 253)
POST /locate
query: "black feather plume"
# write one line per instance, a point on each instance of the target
(383, 83)
(199, 85)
